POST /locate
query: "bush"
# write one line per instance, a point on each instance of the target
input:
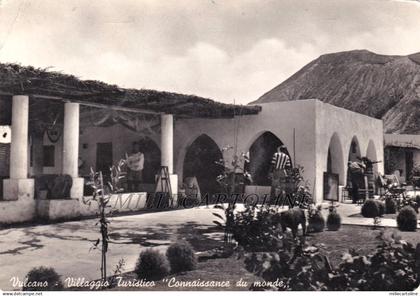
(257, 229)
(381, 207)
(316, 220)
(391, 267)
(370, 209)
(151, 265)
(181, 257)
(390, 206)
(44, 275)
(407, 219)
(333, 221)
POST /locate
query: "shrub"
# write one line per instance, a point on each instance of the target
(181, 257)
(407, 219)
(333, 221)
(390, 206)
(316, 220)
(151, 265)
(370, 209)
(44, 274)
(257, 229)
(391, 267)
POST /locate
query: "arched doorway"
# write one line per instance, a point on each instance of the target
(335, 159)
(355, 180)
(152, 155)
(354, 150)
(260, 154)
(201, 162)
(371, 154)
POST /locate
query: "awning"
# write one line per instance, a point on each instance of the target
(41, 83)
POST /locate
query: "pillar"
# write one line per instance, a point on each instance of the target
(19, 186)
(167, 150)
(71, 148)
(19, 144)
(167, 141)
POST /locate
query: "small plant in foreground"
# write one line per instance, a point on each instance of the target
(228, 181)
(119, 269)
(47, 275)
(102, 195)
(370, 209)
(151, 265)
(181, 257)
(333, 219)
(316, 220)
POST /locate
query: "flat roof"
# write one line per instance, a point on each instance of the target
(402, 140)
(36, 82)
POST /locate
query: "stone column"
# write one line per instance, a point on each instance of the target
(71, 148)
(167, 150)
(19, 186)
(167, 141)
(19, 145)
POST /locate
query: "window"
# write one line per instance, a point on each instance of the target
(49, 156)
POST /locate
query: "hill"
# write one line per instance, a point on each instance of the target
(380, 86)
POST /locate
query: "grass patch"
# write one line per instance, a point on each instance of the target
(361, 238)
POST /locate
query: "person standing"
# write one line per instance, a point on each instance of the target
(357, 178)
(135, 164)
(280, 163)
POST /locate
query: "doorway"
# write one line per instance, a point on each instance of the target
(104, 159)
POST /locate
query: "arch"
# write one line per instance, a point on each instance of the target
(260, 153)
(200, 162)
(152, 157)
(371, 154)
(335, 158)
(354, 150)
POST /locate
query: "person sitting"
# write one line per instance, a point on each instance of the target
(192, 189)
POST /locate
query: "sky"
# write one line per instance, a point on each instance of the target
(229, 51)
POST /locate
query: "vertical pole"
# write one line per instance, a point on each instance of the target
(71, 139)
(167, 141)
(294, 147)
(19, 145)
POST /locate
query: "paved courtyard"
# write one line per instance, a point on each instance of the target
(67, 246)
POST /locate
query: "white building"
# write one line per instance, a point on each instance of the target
(403, 154)
(60, 125)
